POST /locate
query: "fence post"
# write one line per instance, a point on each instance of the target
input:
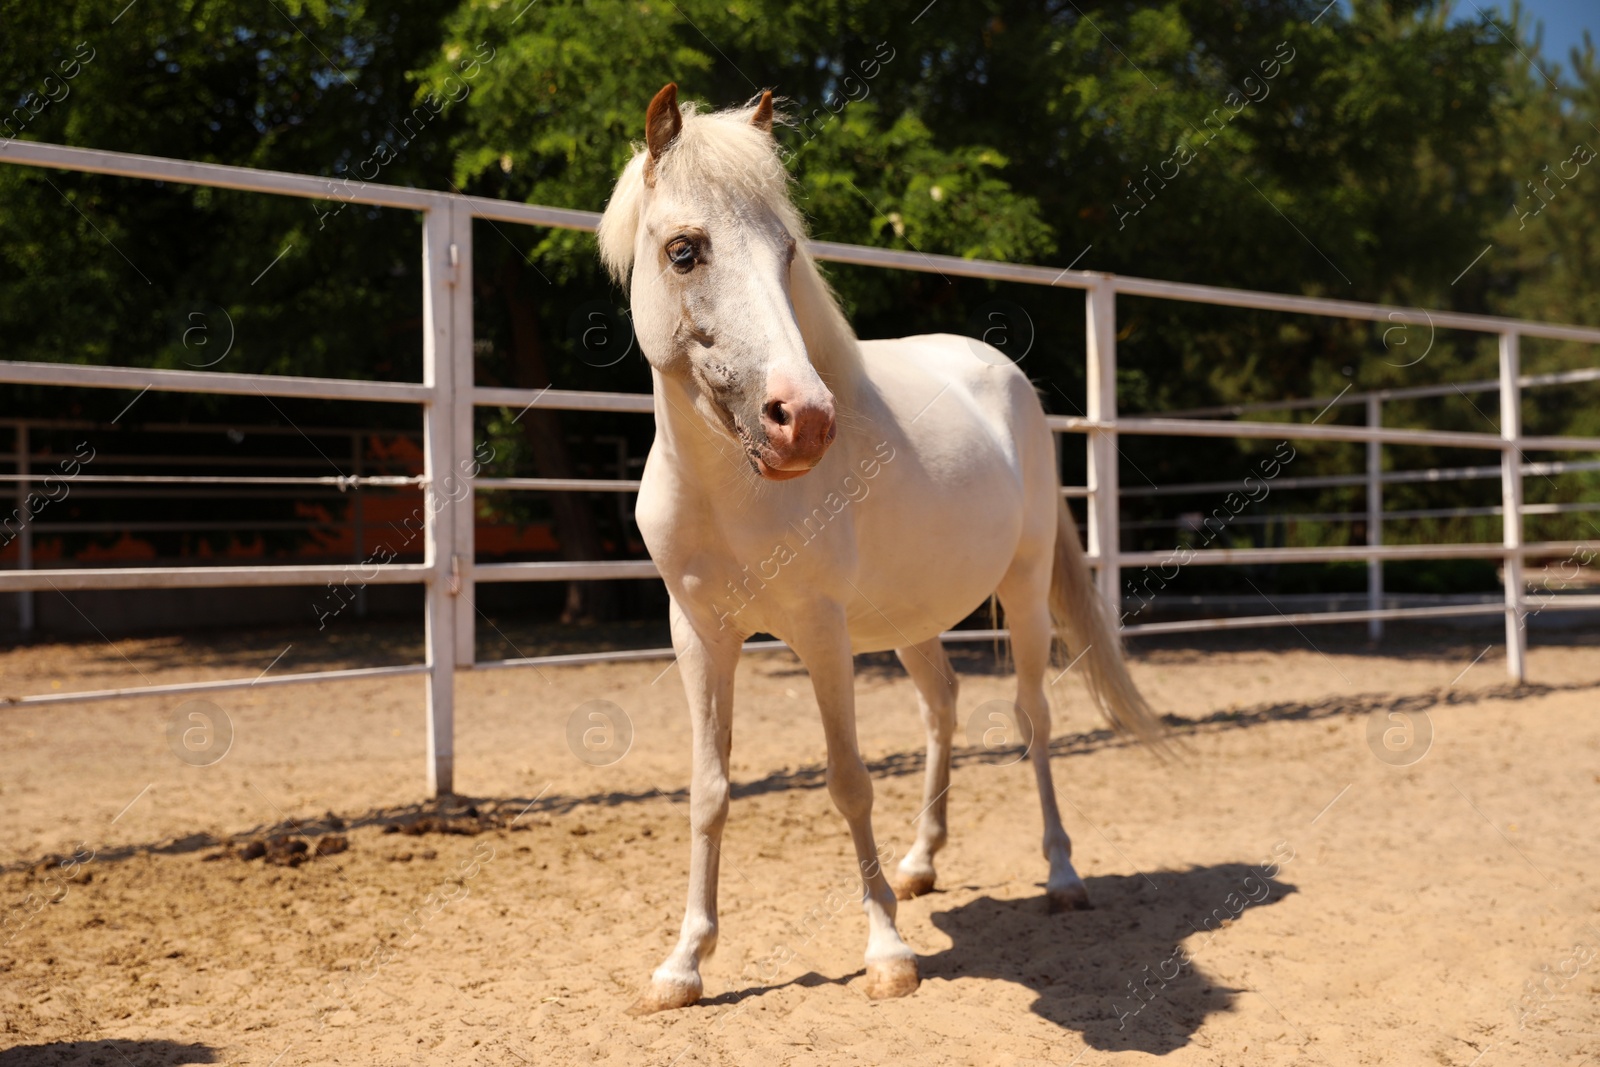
(438, 445)
(1374, 517)
(25, 533)
(358, 518)
(1511, 494)
(1100, 403)
(465, 509)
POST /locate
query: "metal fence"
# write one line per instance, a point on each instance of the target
(373, 456)
(231, 478)
(448, 394)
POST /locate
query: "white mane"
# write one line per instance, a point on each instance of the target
(738, 163)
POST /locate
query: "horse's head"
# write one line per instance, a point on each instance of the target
(702, 218)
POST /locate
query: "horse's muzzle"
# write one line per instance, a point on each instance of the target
(798, 431)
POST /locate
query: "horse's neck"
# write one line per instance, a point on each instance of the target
(699, 451)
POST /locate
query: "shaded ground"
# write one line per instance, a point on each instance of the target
(1281, 896)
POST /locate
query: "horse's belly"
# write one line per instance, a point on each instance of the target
(876, 626)
(927, 573)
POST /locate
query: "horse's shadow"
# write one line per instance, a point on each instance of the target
(1127, 975)
(110, 1052)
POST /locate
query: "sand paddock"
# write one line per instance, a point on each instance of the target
(1282, 896)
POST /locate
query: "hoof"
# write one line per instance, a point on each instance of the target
(887, 979)
(666, 994)
(908, 884)
(1068, 898)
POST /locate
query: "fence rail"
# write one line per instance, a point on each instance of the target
(448, 394)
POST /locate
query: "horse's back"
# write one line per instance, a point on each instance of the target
(930, 381)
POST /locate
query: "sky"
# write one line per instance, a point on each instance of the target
(1564, 22)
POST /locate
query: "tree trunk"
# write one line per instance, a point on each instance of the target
(575, 524)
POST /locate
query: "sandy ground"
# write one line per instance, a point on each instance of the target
(1442, 912)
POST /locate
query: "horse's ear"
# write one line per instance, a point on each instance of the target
(662, 120)
(762, 119)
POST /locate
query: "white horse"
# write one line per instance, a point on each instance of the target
(844, 496)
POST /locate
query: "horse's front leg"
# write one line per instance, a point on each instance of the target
(824, 646)
(707, 664)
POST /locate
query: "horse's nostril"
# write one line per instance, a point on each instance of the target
(778, 413)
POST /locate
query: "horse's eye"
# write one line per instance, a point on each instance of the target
(681, 251)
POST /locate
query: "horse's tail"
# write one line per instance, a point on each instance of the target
(1084, 623)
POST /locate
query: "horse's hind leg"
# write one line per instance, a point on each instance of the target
(1025, 595)
(929, 668)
